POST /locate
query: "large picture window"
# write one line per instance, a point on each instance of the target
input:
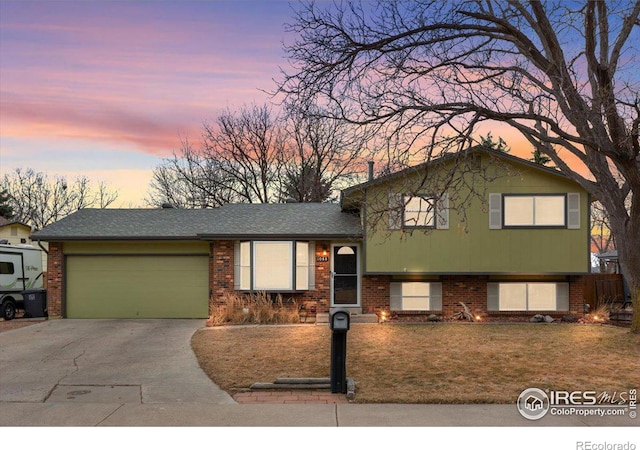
(535, 296)
(534, 210)
(276, 266)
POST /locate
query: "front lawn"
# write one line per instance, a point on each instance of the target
(431, 363)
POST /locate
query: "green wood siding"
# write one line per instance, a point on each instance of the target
(469, 245)
(136, 280)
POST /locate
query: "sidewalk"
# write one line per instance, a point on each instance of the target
(287, 415)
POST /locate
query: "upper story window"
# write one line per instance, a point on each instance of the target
(534, 211)
(419, 212)
(274, 266)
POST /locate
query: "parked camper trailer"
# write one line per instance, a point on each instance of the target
(20, 269)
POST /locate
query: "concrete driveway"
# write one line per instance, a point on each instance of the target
(104, 361)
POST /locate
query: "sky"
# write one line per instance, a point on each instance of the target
(108, 89)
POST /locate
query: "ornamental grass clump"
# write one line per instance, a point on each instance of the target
(254, 308)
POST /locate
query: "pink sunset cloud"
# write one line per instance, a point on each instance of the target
(137, 75)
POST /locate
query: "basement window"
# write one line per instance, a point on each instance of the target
(528, 296)
(416, 296)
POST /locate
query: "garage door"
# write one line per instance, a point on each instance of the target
(137, 286)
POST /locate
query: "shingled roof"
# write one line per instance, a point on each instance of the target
(235, 221)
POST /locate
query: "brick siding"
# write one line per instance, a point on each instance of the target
(55, 277)
(221, 272)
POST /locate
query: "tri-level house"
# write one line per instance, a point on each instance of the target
(507, 237)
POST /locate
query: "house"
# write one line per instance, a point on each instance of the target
(14, 232)
(505, 236)
(176, 263)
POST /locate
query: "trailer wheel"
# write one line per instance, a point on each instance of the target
(8, 310)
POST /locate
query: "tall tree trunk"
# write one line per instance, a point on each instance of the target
(629, 258)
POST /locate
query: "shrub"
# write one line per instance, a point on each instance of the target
(255, 308)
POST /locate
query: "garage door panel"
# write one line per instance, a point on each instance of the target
(137, 286)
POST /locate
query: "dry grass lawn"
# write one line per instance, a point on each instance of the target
(431, 363)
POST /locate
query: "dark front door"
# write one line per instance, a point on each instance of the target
(345, 285)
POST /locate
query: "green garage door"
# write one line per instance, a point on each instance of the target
(137, 286)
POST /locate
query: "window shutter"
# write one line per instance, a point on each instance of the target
(562, 297)
(236, 266)
(442, 212)
(493, 300)
(573, 210)
(495, 211)
(435, 296)
(395, 211)
(395, 290)
(312, 265)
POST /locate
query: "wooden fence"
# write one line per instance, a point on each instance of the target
(603, 288)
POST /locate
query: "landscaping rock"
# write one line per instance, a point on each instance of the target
(538, 318)
(548, 319)
(570, 318)
(433, 318)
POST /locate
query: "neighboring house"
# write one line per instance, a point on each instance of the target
(14, 232)
(408, 244)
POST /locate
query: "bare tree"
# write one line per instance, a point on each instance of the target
(255, 155)
(191, 179)
(323, 154)
(563, 74)
(39, 201)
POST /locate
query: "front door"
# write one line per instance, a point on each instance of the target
(345, 279)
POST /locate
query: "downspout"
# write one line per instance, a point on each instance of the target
(42, 247)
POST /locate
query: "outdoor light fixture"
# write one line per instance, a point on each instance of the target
(478, 318)
(383, 316)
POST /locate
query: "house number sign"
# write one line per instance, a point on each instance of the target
(322, 258)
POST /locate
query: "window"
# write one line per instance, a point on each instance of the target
(528, 296)
(416, 296)
(419, 211)
(6, 268)
(274, 266)
(534, 210)
(14, 231)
